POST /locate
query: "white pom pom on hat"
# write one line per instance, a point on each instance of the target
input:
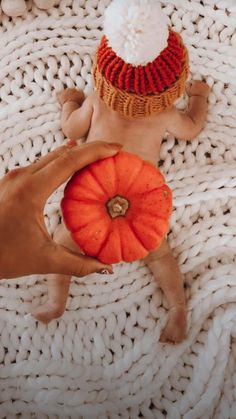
(137, 30)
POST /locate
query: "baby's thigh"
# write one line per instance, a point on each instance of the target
(62, 236)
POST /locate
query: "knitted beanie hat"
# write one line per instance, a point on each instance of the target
(141, 65)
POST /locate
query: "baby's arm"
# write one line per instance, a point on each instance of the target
(187, 125)
(76, 113)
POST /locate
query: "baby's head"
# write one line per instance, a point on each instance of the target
(141, 65)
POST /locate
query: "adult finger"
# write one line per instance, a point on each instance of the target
(62, 260)
(51, 156)
(50, 177)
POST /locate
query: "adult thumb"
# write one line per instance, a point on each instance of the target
(65, 261)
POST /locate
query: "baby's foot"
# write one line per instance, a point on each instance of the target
(73, 95)
(47, 312)
(176, 328)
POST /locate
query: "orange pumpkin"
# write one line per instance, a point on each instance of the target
(117, 209)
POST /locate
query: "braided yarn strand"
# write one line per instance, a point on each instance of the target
(103, 358)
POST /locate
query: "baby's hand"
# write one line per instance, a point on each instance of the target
(72, 95)
(198, 88)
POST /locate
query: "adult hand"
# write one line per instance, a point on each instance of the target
(25, 244)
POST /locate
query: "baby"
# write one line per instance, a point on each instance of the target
(132, 104)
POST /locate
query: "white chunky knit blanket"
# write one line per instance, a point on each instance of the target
(103, 358)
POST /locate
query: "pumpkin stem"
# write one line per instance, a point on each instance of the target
(117, 206)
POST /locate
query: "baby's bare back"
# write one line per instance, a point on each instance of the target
(141, 136)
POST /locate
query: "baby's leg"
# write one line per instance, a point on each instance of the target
(58, 285)
(165, 269)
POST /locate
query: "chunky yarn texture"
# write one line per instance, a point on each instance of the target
(103, 358)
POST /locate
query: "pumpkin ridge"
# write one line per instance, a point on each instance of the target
(96, 179)
(145, 193)
(85, 201)
(140, 240)
(106, 239)
(121, 247)
(102, 243)
(86, 186)
(83, 225)
(136, 234)
(116, 192)
(127, 191)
